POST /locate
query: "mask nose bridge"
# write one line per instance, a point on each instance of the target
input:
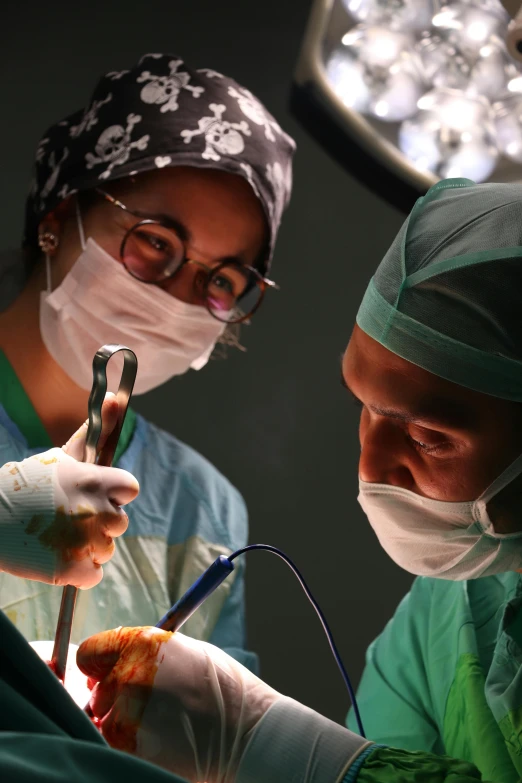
(79, 223)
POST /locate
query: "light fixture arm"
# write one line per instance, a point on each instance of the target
(514, 31)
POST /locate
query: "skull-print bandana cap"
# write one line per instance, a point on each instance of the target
(163, 113)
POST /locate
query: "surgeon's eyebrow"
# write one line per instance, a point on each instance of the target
(181, 230)
(167, 220)
(437, 410)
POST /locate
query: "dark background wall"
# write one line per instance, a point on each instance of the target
(275, 420)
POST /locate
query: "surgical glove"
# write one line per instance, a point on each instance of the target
(59, 516)
(188, 707)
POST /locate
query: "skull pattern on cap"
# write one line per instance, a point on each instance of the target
(163, 113)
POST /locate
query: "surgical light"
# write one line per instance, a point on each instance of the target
(405, 92)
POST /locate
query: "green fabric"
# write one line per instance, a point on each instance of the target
(445, 675)
(421, 345)
(20, 410)
(353, 771)
(126, 434)
(446, 296)
(44, 737)
(19, 407)
(390, 765)
(510, 726)
(469, 728)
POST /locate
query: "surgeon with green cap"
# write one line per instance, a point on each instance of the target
(435, 361)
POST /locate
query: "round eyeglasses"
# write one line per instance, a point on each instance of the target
(153, 252)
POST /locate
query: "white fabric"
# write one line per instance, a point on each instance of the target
(439, 538)
(99, 302)
(293, 743)
(188, 707)
(58, 516)
(75, 683)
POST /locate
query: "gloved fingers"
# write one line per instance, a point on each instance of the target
(98, 654)
(102, 529)
(75, 446)
(103, 696)
(85, 538)
(124, 663)
(102, 549)
(93, 487)
(134, 650)
(120, 486)
(102, 525)
(120, 724)
(83, 573)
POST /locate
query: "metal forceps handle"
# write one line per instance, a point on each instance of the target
(97, 396)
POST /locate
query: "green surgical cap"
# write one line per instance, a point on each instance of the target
(448, 294)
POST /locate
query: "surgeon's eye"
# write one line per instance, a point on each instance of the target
(417, 443)
(157, 243)
(427, 445)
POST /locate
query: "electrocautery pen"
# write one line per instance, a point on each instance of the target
(193, 598)
(196, 594)
(212, 578)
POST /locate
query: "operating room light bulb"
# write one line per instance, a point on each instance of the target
(508, 124)
(440, 71)
(347, 79)
(470, 25)
(451, 136)
(372, 72)
(399, 15)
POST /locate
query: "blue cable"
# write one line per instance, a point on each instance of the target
(321, 616)
(216, 573)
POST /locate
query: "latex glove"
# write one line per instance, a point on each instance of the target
(180, 703)
(187, 706)
(59, 516)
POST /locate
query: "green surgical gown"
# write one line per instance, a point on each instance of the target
(445, 676)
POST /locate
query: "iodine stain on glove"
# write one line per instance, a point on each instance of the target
(49, 461)
(124, 663)
(71, 534)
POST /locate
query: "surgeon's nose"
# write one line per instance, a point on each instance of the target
(382, 460)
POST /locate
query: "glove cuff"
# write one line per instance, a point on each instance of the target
(292, 742)
(26, 511)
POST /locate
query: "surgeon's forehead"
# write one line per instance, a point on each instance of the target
(391, 386)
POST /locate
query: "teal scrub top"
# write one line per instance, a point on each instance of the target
(445, 675)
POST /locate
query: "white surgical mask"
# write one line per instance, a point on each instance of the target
(99, 302)
(442, 539)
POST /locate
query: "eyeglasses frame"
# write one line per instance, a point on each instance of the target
(264, 282)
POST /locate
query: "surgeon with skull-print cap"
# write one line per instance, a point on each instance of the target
(151, 222)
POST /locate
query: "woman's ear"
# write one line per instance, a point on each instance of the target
(51, 226)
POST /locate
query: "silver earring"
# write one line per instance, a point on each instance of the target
(48, 242)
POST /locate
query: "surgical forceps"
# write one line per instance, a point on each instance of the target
(105, 457)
